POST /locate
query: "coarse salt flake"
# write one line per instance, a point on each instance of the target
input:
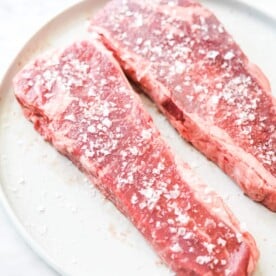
(139, 21)
(203, 259)
(209, 246)
(134, 199)
(146, 134)
(134, 150)
(221, 242)
(212, 54)
(70, 117)
(91, 129)
(251, 117)
(176, 248)
(179, 67)
(107, 122)
(229, 55)
(139, 41)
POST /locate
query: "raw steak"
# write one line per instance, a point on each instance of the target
(183, 58)
(80, 101)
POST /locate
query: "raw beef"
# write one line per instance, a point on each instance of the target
(80, 101)
(184, 59)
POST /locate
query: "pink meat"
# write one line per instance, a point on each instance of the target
(80, 101)
(184, 59)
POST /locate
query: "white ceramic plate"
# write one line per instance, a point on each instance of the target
(63, 218)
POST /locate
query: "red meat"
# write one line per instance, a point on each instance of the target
(80, 101)
(184, 59)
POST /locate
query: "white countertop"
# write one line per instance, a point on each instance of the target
(19, 19)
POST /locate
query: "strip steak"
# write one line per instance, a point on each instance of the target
(184, 59)
(80, 101)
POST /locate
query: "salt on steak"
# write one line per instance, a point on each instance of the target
(80, 101)
(184, 59)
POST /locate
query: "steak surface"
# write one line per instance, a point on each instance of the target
(80, 101)
(184, 59)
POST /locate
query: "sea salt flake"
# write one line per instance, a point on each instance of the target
(219, 85)
(139, 41)
(221, 242)
(146, 134)
(139, 21)
(91, 129)
(188, 236)
(203, 259)
(142, 205)
(176, 248)
(178, 88)
(227, 272)
(89, 153)
(91, 92)
(182, 218)
(209, 246)
(180, 67)
(251, 117)
(134, 150)
(70, 117)
(134, 199)
(170, 221)
(239, 237)
(212, 54)
(229, 55)
(107, 122)
(169, 36)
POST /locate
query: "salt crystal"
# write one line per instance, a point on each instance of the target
(221, 242)
(70, 117)
(134, 150)
(212, 54)
(219, 85)
(203, 259)
(227, 272)
(229, 55)
(139, 21)
(139, 41)
(178, 88)
(134, 199)
(188, 236)
(176, 248)
(91, 129)
(179, 67)
(169, 36)
(146, 134)
(239, 237)
(209, 246)
(107, 122)
(170, 221)
(182, 218)
(251, 117)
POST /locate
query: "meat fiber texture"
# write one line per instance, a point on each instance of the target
(184, 59)
(80, 101)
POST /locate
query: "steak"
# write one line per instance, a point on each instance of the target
(80, 101)
(184, 59)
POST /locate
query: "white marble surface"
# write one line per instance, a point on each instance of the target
(19, 19)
